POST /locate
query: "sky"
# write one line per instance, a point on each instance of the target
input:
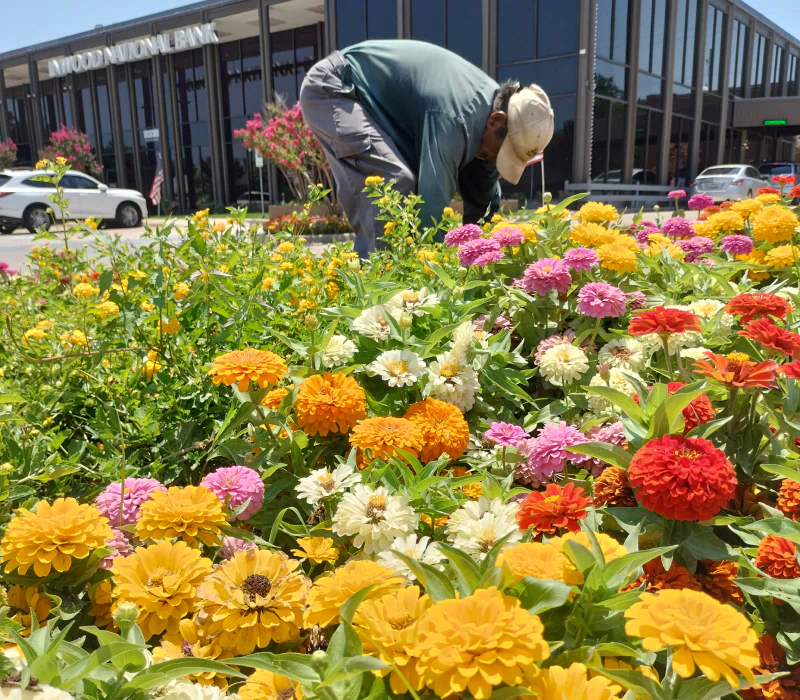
(26, 23)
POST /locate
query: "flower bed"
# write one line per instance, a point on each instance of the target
(550, 457)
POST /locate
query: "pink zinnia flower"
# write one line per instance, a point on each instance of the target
(698, 202)
(231, 545)
(137, 491)
(121, 546)
(488, 257)
(234, 486)
(462, 234)
(506, 434)
(546, 454)
(636, 300)
(551, 341)
(736, 245)
(677, 194)
(469, 252)
(677, 227)
(508, 237)
(601, 300)
(612, 434)
(545, 275)
(581, 259)
(695, 247)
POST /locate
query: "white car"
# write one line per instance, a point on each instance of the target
(24, 202)
(724, 182)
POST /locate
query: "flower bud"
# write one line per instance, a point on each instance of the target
(354, 264)
(656, 208)
(126, 616)
(405, 320)
(457, 293)
(547, 197)
(311, 322)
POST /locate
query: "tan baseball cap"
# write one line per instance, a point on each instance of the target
(530, 128)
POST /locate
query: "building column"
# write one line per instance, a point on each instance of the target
(699, 58)
(59, 100)
(180, 189)
(116, 126)
(747, 87)
(96, 117)
(163, 140)
(584, 101)
(4, 134)
(635, 13)
(669, 79)
(725, 92)
(37, 134)
(267, 82)
(330, 23)
(489, 37)
(218, 186)
(137, 164)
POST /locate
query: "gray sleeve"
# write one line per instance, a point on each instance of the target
(443, 146)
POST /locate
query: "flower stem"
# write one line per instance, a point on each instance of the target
(665, 345)
(594, 333)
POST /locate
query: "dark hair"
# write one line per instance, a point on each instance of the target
(501, 100)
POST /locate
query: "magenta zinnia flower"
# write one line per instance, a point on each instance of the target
(612, 434)
(695, 247)
(545, 275)
(488, 257)
(471, 251)
(231, 545)
(581, 259)
(546, 454)
(508, 237)
(462, 234)
(121, 546)
(677, 227)
(636, 300)
(234, 486)
(506, 434)
(601, 300)
(677, 194)
(137, 491)
(736, 245)
(698, 202)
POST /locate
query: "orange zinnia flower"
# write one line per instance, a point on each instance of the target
(789, 499)
(765, 332)
(773, 660)
(734, 372)
(790, 369)
(611, 488)
(329, 403)
(777, 557)
(657, 578)
(241, 367)
(664, 322)
(753, 306)
(443, 429)
(384, 437)
(553, 509)
(717, 579)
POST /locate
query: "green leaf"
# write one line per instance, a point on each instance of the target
(623, 401)
(166, 671)
(297, 667)
(351, 668)
(348, 610)
(580, 555)
(508, 693)
(643, 686)
(616, 572)
(783, 527)
(539, 595)
(782, 470)
(466, 570)
(604, 451)
(709, 428)
(436, 584)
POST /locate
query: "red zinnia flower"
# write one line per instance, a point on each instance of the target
(794, 193)
(773, 660)
(553, 509)
(735, 372)
(783, 179)
(712, 209)
(717, 578)
(777, 557)
(753, 306)
(682, 478)
(790, 369)
(657, 578)
(767, 190)
(698, 411)
(726, 205)
(663, 321)
(765, 332)
(611, 488)
(789, 499)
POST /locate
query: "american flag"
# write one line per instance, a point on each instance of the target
(158, 180)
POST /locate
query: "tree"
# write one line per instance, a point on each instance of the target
(75, 147)
(8, 154)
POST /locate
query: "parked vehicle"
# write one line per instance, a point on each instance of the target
(252, 200)
(725, 182)
(770, 168)
(638, 177)
(24, 202)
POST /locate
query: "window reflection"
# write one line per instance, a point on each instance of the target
(757, 77)
(738, 52)
(358, 20)
(454, 24)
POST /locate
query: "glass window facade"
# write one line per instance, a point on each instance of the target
(712, 64)
(358, 20)
(758, 66)
(18, 118)
(738, 58)
(454, 24)
(791, 76)
(778, 53)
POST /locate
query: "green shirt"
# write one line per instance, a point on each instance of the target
(434, 106)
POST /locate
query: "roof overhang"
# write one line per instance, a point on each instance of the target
(767, 111)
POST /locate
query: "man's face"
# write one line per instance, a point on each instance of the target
(493, 136)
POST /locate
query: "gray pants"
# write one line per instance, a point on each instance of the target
(355, 146)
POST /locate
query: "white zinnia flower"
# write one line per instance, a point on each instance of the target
(422, 550)
(615, 380)
(477, 526)
(373, 517)
(398, 367)
(453, 380)
(623, 353)
(338, 351)
(412, 302)
(698, 353)
(321, 483)
(563, 364)
(40, 692)
(184, 690)
(677, 341)
(372, 323)
(463, 340)
(706, 308)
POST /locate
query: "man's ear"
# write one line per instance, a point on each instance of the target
(497, 120)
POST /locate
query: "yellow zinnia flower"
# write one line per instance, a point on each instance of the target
(266, 685)
(285, 247)
(702, 633)
(241, 367)
(591, 235)
(22, 600)
(539, 561)
(558, 683)
(617, 256)
(329, 594)
(197, 644)
(253, 599)
(768, 198)
(52, 536)
(756, 257)
(598, 213)
(747, 207)
(102, 601)
(388, 628)
(781, 256)
(316, 549)
(161, 580)
(476, 643)
(774, 224)
(608, 545)
(724, 222)
(192, 513)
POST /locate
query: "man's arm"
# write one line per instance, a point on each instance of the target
(442, 150)
(480, 190)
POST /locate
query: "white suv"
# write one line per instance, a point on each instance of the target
(24, 202)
